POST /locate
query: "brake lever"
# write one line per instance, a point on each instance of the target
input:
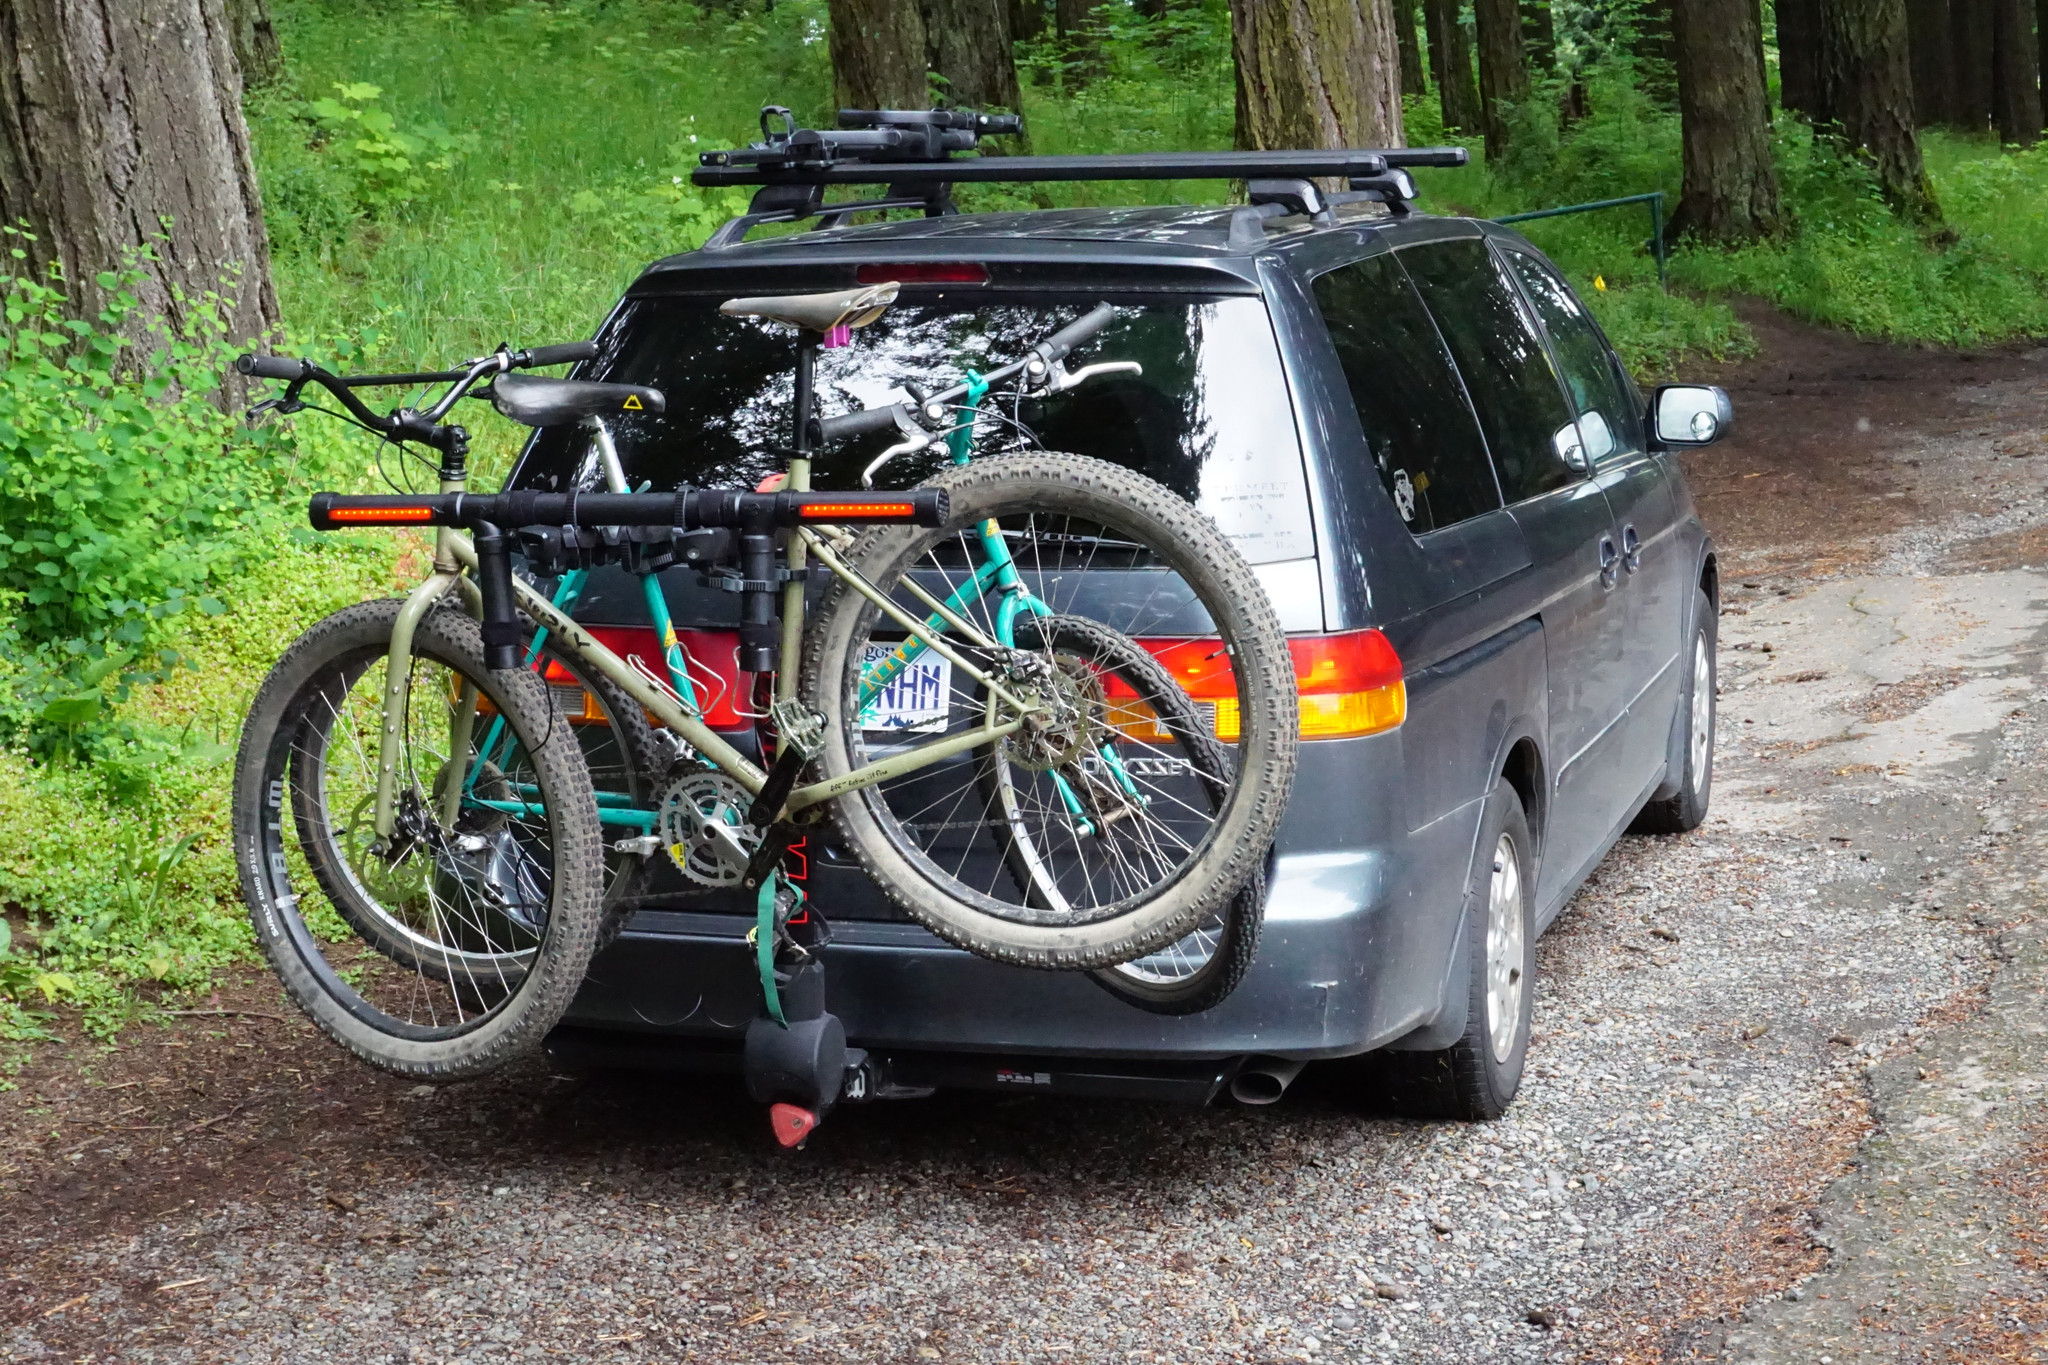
(285, 404)
(1059, 378)
(915, 437)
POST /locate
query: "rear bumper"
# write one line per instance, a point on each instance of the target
(687, 978)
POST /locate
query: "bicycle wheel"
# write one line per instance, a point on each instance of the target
(455, 945)
(1199, 970)
(1116, 864)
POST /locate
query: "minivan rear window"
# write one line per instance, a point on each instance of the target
(1209, 417)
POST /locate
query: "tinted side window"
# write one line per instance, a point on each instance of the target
(1507, 371)
(1607, 411)
(1418, 426)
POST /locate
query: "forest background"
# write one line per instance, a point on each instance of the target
(438, 176)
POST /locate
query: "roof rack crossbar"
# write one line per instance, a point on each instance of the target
(717, 169)
(911, 153)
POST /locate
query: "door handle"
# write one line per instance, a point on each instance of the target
(1610, 562)
(1631, 549)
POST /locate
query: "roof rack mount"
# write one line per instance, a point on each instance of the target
(911, 153)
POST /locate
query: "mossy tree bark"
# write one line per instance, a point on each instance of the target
(121, 129)
(1410, 41)
(1027, 20)
(1799, 57)
(968, 43)
(878, 54)
(1969, 102)
(2015, 73)
(1539, 36)
(254, 39)
(1730, 193)
(1075, 21)
(1867, 84)
(1450, 64)
(1316, 73)
(1933, 59)
(1503, 69)
(1655, 52)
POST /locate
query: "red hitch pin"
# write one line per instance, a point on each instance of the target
(791, 1123)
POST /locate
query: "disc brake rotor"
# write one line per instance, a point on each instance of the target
(702, 820)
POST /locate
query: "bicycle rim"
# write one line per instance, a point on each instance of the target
(436, 930)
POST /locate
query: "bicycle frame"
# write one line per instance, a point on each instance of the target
(456, 562)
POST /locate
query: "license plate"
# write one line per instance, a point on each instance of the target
(916, 700)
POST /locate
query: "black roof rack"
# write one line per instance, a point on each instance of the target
(911, 153)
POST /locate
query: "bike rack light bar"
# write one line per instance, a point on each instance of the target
(688, 509)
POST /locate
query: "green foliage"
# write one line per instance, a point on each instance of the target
(386, 168)
(584, 115)
(122, 865)
(117, 508)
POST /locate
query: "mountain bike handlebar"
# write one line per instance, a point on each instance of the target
(1043, 356)
(405, 424)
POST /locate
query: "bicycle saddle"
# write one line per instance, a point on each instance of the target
(817, 312)
(536, 401)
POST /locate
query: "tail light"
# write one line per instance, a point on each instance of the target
(713, 671)
(1350, 685)
(923, 272)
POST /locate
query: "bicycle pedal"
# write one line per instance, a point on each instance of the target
(800, 727)
(646, 846)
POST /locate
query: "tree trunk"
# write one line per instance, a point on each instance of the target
(1655, 54)
(1075, 21)
(1539, 36)
(1969, 104)
(2016, 71)
(1503, 70)
(1934, 78)
(1799, 57)
(1412, 82)
(1316, 73)
(1731, 186)
(254, 39)
(121, 128)
(1027, 20)
(878, 55)
(1867, 82)
(2041, 42)
(1450, 64)
(967, 42)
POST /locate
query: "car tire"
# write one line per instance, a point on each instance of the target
(1687, 807)
(1476, 1077)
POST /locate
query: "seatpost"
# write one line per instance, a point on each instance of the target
(803, 440)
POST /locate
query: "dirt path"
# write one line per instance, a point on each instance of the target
(1725, 1083)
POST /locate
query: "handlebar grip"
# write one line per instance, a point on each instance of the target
(1055, 347)
(995, 124)
(861, 423)
(273, 367)
(566, 354)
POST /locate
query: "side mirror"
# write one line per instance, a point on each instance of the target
(1566, 444)
(1690, 414)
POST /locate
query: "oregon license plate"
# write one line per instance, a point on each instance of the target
(915, 700)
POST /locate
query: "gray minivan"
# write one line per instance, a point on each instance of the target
(1500, 599)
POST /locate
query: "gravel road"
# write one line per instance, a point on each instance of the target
(1710, 1012)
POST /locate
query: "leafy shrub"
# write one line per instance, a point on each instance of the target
(385, 167)
(124, 489)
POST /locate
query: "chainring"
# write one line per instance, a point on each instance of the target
(714, 797)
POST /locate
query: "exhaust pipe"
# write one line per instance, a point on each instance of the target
(1263, 1080)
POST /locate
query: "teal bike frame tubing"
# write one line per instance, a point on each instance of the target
(613, 808)
(999, 568)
